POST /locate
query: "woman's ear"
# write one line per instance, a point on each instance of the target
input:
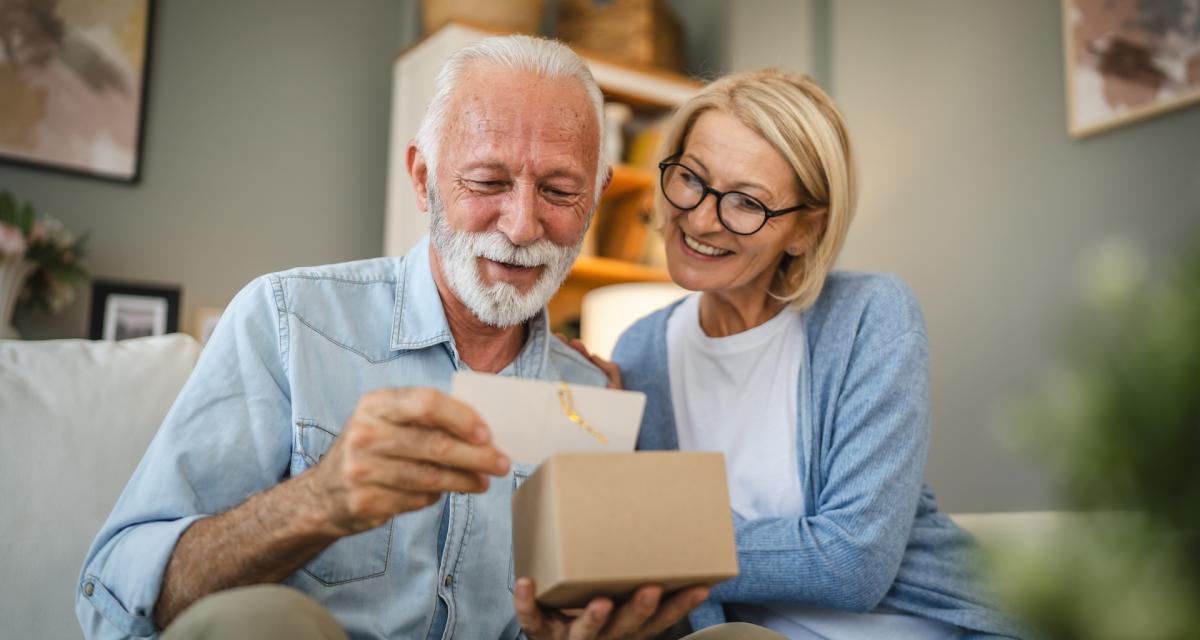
(811, 230)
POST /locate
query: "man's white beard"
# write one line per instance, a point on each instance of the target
(498, 304)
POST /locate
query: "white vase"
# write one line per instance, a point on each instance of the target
(12, 280)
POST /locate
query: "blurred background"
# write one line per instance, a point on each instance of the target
(266, 146)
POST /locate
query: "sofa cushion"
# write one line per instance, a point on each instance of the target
(75, 418)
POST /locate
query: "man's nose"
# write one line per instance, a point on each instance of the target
(520, 221)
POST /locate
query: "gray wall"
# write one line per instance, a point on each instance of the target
(786, 34)
(974, 193)
(266, 147)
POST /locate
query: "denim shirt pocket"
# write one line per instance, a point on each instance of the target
(521, 473)
(358, 557)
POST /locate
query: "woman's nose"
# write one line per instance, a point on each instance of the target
(704, 217)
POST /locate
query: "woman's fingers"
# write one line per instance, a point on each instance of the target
(610, 369)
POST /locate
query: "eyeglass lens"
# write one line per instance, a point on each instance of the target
(737, 211)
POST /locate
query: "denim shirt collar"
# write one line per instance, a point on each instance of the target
(419, 321)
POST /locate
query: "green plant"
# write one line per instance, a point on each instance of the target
(52, 249)
(1119, 427)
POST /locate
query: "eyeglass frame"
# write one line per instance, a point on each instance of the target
(707, 189)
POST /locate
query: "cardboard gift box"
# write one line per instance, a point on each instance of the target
(602, 524)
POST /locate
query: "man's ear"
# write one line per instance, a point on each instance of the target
(608, 174)
(418, 172)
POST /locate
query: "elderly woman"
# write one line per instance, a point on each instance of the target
(813, 384)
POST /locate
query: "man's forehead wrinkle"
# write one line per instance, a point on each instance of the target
(484, 87)
(519, 124)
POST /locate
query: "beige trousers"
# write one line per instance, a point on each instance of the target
(272, 612)
(266, 611)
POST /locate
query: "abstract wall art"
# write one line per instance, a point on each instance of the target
(1129, 59)
(73, 84)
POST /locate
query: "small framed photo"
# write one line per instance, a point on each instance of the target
(122, 310)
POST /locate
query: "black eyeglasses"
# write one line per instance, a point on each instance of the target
(739, 213)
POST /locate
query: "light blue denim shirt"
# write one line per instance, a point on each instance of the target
(281, 374)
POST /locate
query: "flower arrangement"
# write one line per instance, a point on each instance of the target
(45, 249)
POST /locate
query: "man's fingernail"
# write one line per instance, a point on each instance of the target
(502, 464)
(647, 598)
(481, 435)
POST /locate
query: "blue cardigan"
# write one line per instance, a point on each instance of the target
(871, 534)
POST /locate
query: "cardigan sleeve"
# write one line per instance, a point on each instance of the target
(873, 434)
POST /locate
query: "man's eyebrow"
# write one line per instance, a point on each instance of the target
(485, 164)
(564, 173)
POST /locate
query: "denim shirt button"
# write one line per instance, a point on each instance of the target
(88, 588)
(449, 580)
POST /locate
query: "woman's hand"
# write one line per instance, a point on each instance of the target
(644, 616)
(610, 369)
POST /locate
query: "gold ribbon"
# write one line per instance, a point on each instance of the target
(568, 407)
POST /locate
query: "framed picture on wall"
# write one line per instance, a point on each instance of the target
(73, 81)
(123, 310)
(1127, 60)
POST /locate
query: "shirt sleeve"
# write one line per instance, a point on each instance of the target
(227, 436)
(873, 435)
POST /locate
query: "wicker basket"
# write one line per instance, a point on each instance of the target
(643, 32)
(517, 16)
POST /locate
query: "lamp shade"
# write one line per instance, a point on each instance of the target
(608, 311)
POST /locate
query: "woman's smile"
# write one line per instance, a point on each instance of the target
(702, 250)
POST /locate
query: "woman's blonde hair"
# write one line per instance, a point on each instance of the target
(801, 122)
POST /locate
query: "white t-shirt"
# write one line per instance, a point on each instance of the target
(737, 395)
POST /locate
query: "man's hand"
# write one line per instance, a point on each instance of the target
(642, 617)
(399, 452)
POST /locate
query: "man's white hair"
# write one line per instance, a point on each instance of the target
(541, 56)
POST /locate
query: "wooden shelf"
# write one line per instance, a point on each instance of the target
(627, 180)
(598, 271)
(641, 86)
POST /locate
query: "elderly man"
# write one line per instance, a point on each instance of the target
(313, 446)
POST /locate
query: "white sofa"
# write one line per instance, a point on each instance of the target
(76, 417)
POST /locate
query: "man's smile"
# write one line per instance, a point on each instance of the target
(518, 275)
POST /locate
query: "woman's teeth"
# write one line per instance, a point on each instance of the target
(700, 247)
